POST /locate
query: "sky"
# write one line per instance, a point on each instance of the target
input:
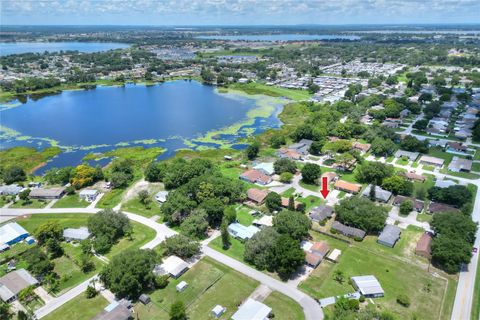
(236, 12)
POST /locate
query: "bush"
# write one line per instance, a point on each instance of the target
(90, 292)
(361, 299)
(286, 177)
(161, 281)
(403, 300)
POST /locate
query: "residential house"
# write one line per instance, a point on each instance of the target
(362, 147)
(265, 167)
(88, 195)
(10, 190)
(78, 234)
(302, 146)
(436, 207)
(381, 195)
(289, 154)
(331, 176)
(389, 235)
(460, 164)
(12, 233)
(264, 221)
(161, 196)
(418, 205)
(444, 183)
(117, 310)
(456, 147)
(252, 310)
(47, 194)
(347, 186)
(13, 282)
(320, 213)
(347, 231)
(255, 176)
(368, 286)
(412, 176)
(412, 156)
(423, 247)
(431, 161)
(257, 195)
(173, 266)
(241, 232)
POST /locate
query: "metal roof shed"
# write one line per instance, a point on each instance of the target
(252, 310)
(368, 286)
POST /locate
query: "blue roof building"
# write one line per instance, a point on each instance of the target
(12, 233)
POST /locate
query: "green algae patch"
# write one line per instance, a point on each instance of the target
(27, 158)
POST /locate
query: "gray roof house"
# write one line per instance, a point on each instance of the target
(380, 194)
(301, 146)
(368, 286)
(10, 190)
(389, 236)
(52, 193)
(321, 213)
(348, 231)
(252, 310)
(412, 156)
(79, 234)
(460, 164)
(14, 282)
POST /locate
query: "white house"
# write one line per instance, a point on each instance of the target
(89, 195)
(161, 196)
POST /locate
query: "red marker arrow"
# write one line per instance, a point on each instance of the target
(324, 190)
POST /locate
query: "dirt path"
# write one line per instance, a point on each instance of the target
(135, 189)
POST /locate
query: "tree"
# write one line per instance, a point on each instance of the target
(383, 147)
(230, 214)
(361, 213)
(54, 248)
(316, 147)
(23, 195)
(38, 262)
(91, 292)
(273, 201)
(83, 176)
(50, 230)
(119, 179)
(374, 172)
(295, 224)
(286, 177)
(58, 175)
(144, 197)
(406, 207)
(252, 150)
(410, 143)
(311, 172)
(312, 88)
(277, 140)
(289, 256)
(398, 185)
(5, 312)
(291, 203)
(225, 235)
(27, 295)
(129, 273)
(177, 311)
(284, 165)
(13, 174)
(107, 226)
(195, 225)
(214, 208)
(181, 246)
(456, 195)
(259, 250)
(339, 276)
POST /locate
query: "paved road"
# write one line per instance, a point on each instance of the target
(311, 308)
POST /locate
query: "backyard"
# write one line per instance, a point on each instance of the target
(79, 308)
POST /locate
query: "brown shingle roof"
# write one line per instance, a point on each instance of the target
(347, 186)
(435, 207)
(423, 245)
(321, 248)
(312, 259)
(257, 195)
(414, 176)
(255, 176)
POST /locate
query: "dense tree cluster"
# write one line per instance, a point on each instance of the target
(81, 176)
(107, 226)
(13, 174)
(456, 195)
(374, 172)
(452, 245)
(181, 246)
(361, 213)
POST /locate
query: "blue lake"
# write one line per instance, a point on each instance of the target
(282, 37)
(7, 48)
(168, 115)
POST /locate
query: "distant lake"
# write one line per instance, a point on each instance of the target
(7, 48)
(166, 115)
(282, 37)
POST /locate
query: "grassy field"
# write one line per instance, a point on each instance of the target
(71, 201)
(135, 206)
(476, 297)
(283, 307)
(208, 283)
(258, 88)
(79, 308)
(141, 235)
(394, 272)
(110, 199)
(66, 220)
(27, 158)
(30, 204)
(236, 249)
(244, 217)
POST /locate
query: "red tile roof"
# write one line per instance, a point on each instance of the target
(347, 186)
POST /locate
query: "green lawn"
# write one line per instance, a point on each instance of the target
(402, 161)
(258, 88)
(79, 308)
(14, 250)
(30, 204)
(66, 220)
(244, 217)
(439, 153)
(466, 175)
(424, 217)
(135, 206)
(236, 249)
(311, 187)
(68, 270)
(289, 192)
(110, 199)
(310, 202)
(476, 166)
(476, 297)
(71, 201)
(395, 275)
(141, 235)
(283, 307)
(209, 283)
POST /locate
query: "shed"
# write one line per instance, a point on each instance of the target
(252, 310)
(181, 286)
(161, 196)
(218, 311)
(145, 299)
(423, 245)
(334, 255)
(389, 236)
(368, 286)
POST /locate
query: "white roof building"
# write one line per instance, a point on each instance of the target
(81, 233)
(218, 311)
(241, 232)
(173, 265)
(334, 255)
(181, 286)
(265, 221)
(368, 286)
(12, 233)
(266, 167)
(252, 310)
(161, 196)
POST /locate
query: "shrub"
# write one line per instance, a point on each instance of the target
(90, 292)
(161, 281)
(403, 300)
